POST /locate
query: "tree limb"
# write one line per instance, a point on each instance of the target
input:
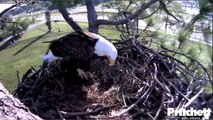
(4, 11)
(167, 11)
(134, 15)
(154, 11)
(15, 5)
(66, 16)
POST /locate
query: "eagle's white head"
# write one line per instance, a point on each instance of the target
(103, 47)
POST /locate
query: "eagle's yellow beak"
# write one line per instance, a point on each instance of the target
(111, 61)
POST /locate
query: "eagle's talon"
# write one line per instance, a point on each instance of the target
(85, 75)
(82, 74)
(90, 75)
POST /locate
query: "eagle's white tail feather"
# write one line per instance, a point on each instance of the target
(49, 57)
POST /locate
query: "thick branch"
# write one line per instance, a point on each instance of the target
(92, 16)
(154, 11)
(68, 19)
(4, 11)
(189, 26)
(167, 11)
(134, 15)
(17, 3)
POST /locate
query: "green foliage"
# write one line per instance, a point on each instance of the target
(110, 4)
(19, 25)
(166, 40)
(24, 22)
(151, 21)
(196, 50)
(183, 36)
(205, 7)
(155, 34)
(175, 8)
(67, 3)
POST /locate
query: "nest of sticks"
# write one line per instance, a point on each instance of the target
(142, 85)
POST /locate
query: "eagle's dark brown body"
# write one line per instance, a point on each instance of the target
(75, 46)
(76, 50)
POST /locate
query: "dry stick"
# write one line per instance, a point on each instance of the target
(183, 100)
(178, 61)
(191, 82)
(138, 101)
(103, 117)
(17, 72)
(147, 97)
(188, 72)
(140, 91)
(153, 52)
(166, 89)
(151, 116)
(206, 71)
(40, 79)
(160, 108)
(124, 101)
(136, 114)
(68, 114)
(182, 73)
(35, 83)
(156, 79)
(179, 91)
(184, 96)
(174, 59)
(193, 99)
(33, 69)
(61, 116)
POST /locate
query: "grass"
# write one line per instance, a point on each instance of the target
(33, 51)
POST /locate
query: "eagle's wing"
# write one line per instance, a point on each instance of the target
(72, 46)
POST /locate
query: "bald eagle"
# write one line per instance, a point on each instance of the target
(79, 48)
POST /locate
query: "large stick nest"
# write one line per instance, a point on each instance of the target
(142, 85)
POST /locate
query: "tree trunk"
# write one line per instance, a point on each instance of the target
(48, 20)
(92, 16)
(12, 109)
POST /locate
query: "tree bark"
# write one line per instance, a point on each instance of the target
(48, 20)
(12, 109)
(92, 16)
(66, 16)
